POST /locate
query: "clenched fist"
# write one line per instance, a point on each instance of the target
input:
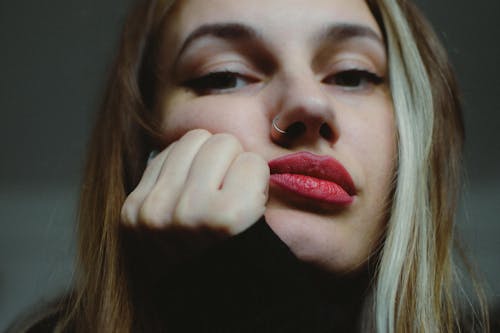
(201, 180)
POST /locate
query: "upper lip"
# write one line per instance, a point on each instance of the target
(317, 166)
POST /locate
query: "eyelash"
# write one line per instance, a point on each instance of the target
(225, 81)
(362, 79)
(217, 82)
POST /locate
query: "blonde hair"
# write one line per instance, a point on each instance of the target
(413, 291)
(417, 271)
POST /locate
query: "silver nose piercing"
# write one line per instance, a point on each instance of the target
(275, 126)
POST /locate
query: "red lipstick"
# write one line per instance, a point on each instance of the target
(312, 176)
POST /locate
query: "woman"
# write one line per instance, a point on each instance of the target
(306, 174)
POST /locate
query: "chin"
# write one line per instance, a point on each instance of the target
(327, 241)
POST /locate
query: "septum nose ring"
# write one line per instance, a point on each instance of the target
(276, 128)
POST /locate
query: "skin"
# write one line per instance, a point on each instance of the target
(219, 137)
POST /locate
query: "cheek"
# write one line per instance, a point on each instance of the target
(218, 114)
(371, 134)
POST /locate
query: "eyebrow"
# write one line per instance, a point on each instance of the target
(337, 32)
(340, 32)
(227, 31)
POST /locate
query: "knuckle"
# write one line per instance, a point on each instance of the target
(127, 215)
(187, 217)
(187, 213)
(150, 218)
(129, 209)
(150, 215)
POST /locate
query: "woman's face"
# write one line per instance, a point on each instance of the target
(233, 66)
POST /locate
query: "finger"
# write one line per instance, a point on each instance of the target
(212, 163)
(135, 199)
(245, 189)
(160, 202)
(249, 173)
(205, 178)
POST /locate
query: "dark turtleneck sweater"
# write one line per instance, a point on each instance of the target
(250, 282)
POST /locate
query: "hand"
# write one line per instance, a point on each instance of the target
(198, 181)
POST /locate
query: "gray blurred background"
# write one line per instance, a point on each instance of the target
(54, 58)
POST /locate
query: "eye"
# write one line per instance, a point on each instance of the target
(354, 79)
(218, 82)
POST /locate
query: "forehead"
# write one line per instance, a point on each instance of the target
(274, 18)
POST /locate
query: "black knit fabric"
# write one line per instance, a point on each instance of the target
(253, 283)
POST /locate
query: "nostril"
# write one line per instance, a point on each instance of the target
(326, 132)
(296, 129)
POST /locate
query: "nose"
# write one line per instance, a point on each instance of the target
(304, 113)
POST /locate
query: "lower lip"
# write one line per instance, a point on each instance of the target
(312, 188)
